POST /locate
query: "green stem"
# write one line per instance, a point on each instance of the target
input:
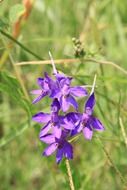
(69, 175)
(19, 44)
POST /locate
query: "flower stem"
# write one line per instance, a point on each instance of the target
(69, 175)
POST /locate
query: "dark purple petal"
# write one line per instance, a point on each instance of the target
(68, 150)
(78, 91)
(73, 102)
(54, 117)
(48, 82)
(45, 129)
(43, 94)
(50, 149)
(70, 120)
(59, 155)
(42, 117)
(55, 93)
(38, 92)
(55, 106)
(96, 124)
(40, 82)
(73, 116)
(59, 76)
(88, 133)
(48, 139)
(77, 129)
(64, 103)
(90, 102)
(57, 131)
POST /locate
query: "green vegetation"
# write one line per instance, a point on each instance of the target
(101, 26)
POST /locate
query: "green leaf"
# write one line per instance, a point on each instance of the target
(15, 12)
(4, 23)
(13, 134)
(11, 86)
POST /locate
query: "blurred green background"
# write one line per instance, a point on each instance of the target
(100, 164)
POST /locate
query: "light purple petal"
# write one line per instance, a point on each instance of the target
(88, 133)
(48, 139)
(43, 94)
(78, 91)
(50, 149)
(45, 129)
(68, 150)
(42, 117)
(64, 103)
(57, 131)
(90, 102)
(68, 125)
(73, 102)
(38, 92)
(59, 155)
(65, 82)
(97, 125)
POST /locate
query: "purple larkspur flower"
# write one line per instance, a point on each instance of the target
(46, 85)
(62, 147)
(63, 90)
(65, 93)
(53, 120)
(86, 121)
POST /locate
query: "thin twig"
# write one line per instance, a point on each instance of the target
(123, 131)
(111, 162)
(69, 175)
(59, 61)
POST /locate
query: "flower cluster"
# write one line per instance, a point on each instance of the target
(59, 128)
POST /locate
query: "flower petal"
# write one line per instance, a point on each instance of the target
(97, 125)
(43, 94)
(42, 117)
(88, 133)
(55, 106)
(57, 131)
(77, 129)
(90, 102)
(50, 149)
(59, 155)
(38, 92)
(40, 82)
(73, 102)
(68, 150)
(64, 103)
(78, 91)
(45, 129)
(73, 117)
(48, 139)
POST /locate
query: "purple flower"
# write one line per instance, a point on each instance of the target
(62, 147)
(53, 121)
(65, 93)
(86, 122)
(46, 85)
